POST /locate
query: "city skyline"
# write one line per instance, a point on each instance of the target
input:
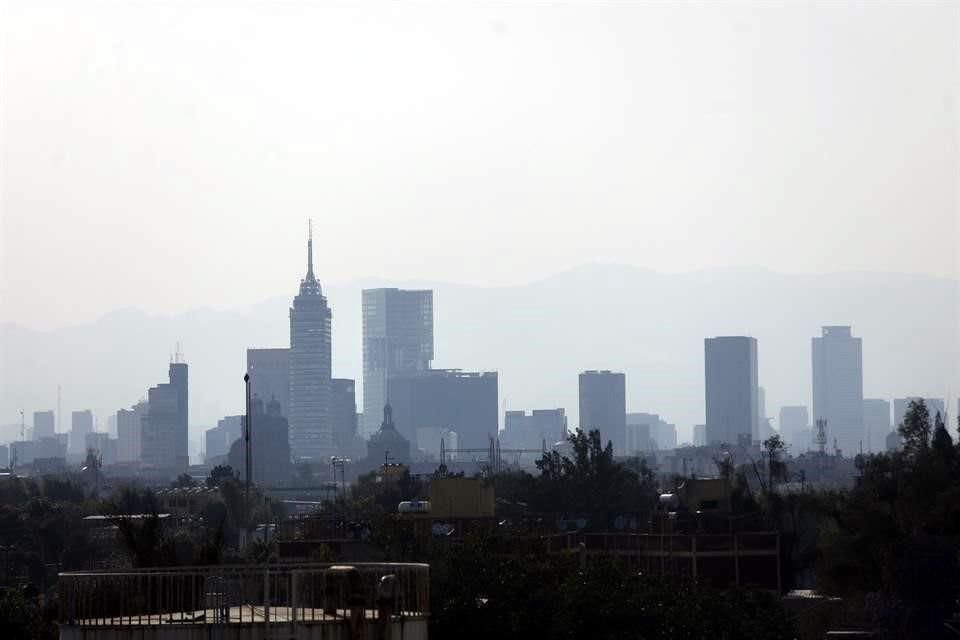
(639, 396)
(480, 320)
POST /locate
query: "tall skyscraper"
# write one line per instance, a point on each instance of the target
(465, 402)
(397, 339)
(876, 424)
(44, 424)
(269, 371)
(534, 430)
(603, 406)
(164, 436)
(731, 390)
(81, 423)
(311, 432)
(838, 387)
(129, 430)
(795, 428)
(649, 432)
(344, 418)
(220, 438)
(269, 445)
(699, 435)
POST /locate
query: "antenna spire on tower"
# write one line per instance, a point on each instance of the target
(309, 247)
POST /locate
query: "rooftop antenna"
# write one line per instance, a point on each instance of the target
(309, 247)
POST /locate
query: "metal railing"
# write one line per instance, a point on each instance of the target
(293, 594)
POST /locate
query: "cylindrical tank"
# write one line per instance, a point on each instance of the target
(414, 506)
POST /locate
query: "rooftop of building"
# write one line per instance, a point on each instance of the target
(451, 373)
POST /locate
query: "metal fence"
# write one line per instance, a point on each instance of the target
(300, 593)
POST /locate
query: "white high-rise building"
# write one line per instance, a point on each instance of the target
(397, 339)
(129, 432)
(44, 424)
(81, 423)
(731, 390)
(311, 430)
(838, 387)
(699, 435)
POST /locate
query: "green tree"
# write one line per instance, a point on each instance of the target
(184, 481)
(890, 540)
(915, 428)
(776, 469)
(20, 617)
(942, 443)
(219, 474)
(591, 482)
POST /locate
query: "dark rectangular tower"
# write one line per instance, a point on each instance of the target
(837, 359)
(731, 390)
(603, 406)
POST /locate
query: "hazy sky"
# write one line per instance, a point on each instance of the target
(166, 156)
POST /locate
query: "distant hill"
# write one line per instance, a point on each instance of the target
(538, 336)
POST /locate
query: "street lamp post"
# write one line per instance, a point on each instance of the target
(246, 438)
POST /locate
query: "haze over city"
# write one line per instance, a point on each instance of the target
(477, 146)
(480, 320)
(167, 157)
